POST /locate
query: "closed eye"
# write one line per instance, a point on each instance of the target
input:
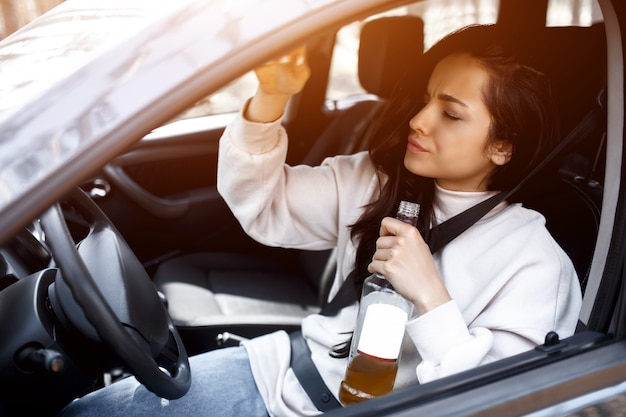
(451, 116)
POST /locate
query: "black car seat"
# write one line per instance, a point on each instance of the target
(208, 293)
(569, 191)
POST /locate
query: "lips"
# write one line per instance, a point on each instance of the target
(413, 146)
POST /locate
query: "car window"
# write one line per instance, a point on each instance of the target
(343, 82)
(228, 99)
(573, 13)
(439, 18)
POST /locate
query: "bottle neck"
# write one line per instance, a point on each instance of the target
(408, 212)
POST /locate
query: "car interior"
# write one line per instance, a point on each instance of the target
(220, 286)
(210, 292)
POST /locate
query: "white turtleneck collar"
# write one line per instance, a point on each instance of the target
(449, 203)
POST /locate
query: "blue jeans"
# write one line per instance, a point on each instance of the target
(221, 385)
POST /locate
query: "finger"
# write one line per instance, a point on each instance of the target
(294, 57)
(385, 242)
(281, 60)
(392, 227)
(298, 56)
(268, 65)
(380, 266)
(375, 266)
(382, 255)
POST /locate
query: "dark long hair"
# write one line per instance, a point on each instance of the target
(522, 113)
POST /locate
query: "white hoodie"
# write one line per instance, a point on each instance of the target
(509, 280)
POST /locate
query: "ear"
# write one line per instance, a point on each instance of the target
(500, 152)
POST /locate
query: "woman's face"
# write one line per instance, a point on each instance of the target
(448, 137)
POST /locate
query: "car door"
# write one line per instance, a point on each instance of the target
(162, 193)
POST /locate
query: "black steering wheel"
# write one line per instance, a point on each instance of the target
(105, 292)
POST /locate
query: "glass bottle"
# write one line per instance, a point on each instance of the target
(378, 334)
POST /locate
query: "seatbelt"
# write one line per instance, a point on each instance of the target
(307, 374)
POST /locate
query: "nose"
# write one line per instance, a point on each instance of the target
(419, 123)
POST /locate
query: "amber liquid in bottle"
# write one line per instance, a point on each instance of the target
(369, 378)
(378, 334)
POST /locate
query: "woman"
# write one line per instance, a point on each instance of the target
(481, 123)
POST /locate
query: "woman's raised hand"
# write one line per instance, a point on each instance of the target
(279, 79)
(286, 75)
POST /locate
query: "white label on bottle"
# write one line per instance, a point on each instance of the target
(383, 331)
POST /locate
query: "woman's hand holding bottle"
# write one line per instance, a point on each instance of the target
(279, 79)
(405, 260)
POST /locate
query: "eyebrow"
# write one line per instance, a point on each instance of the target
(451, 99)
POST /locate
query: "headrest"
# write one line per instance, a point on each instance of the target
(389, 46)
(574, 58)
